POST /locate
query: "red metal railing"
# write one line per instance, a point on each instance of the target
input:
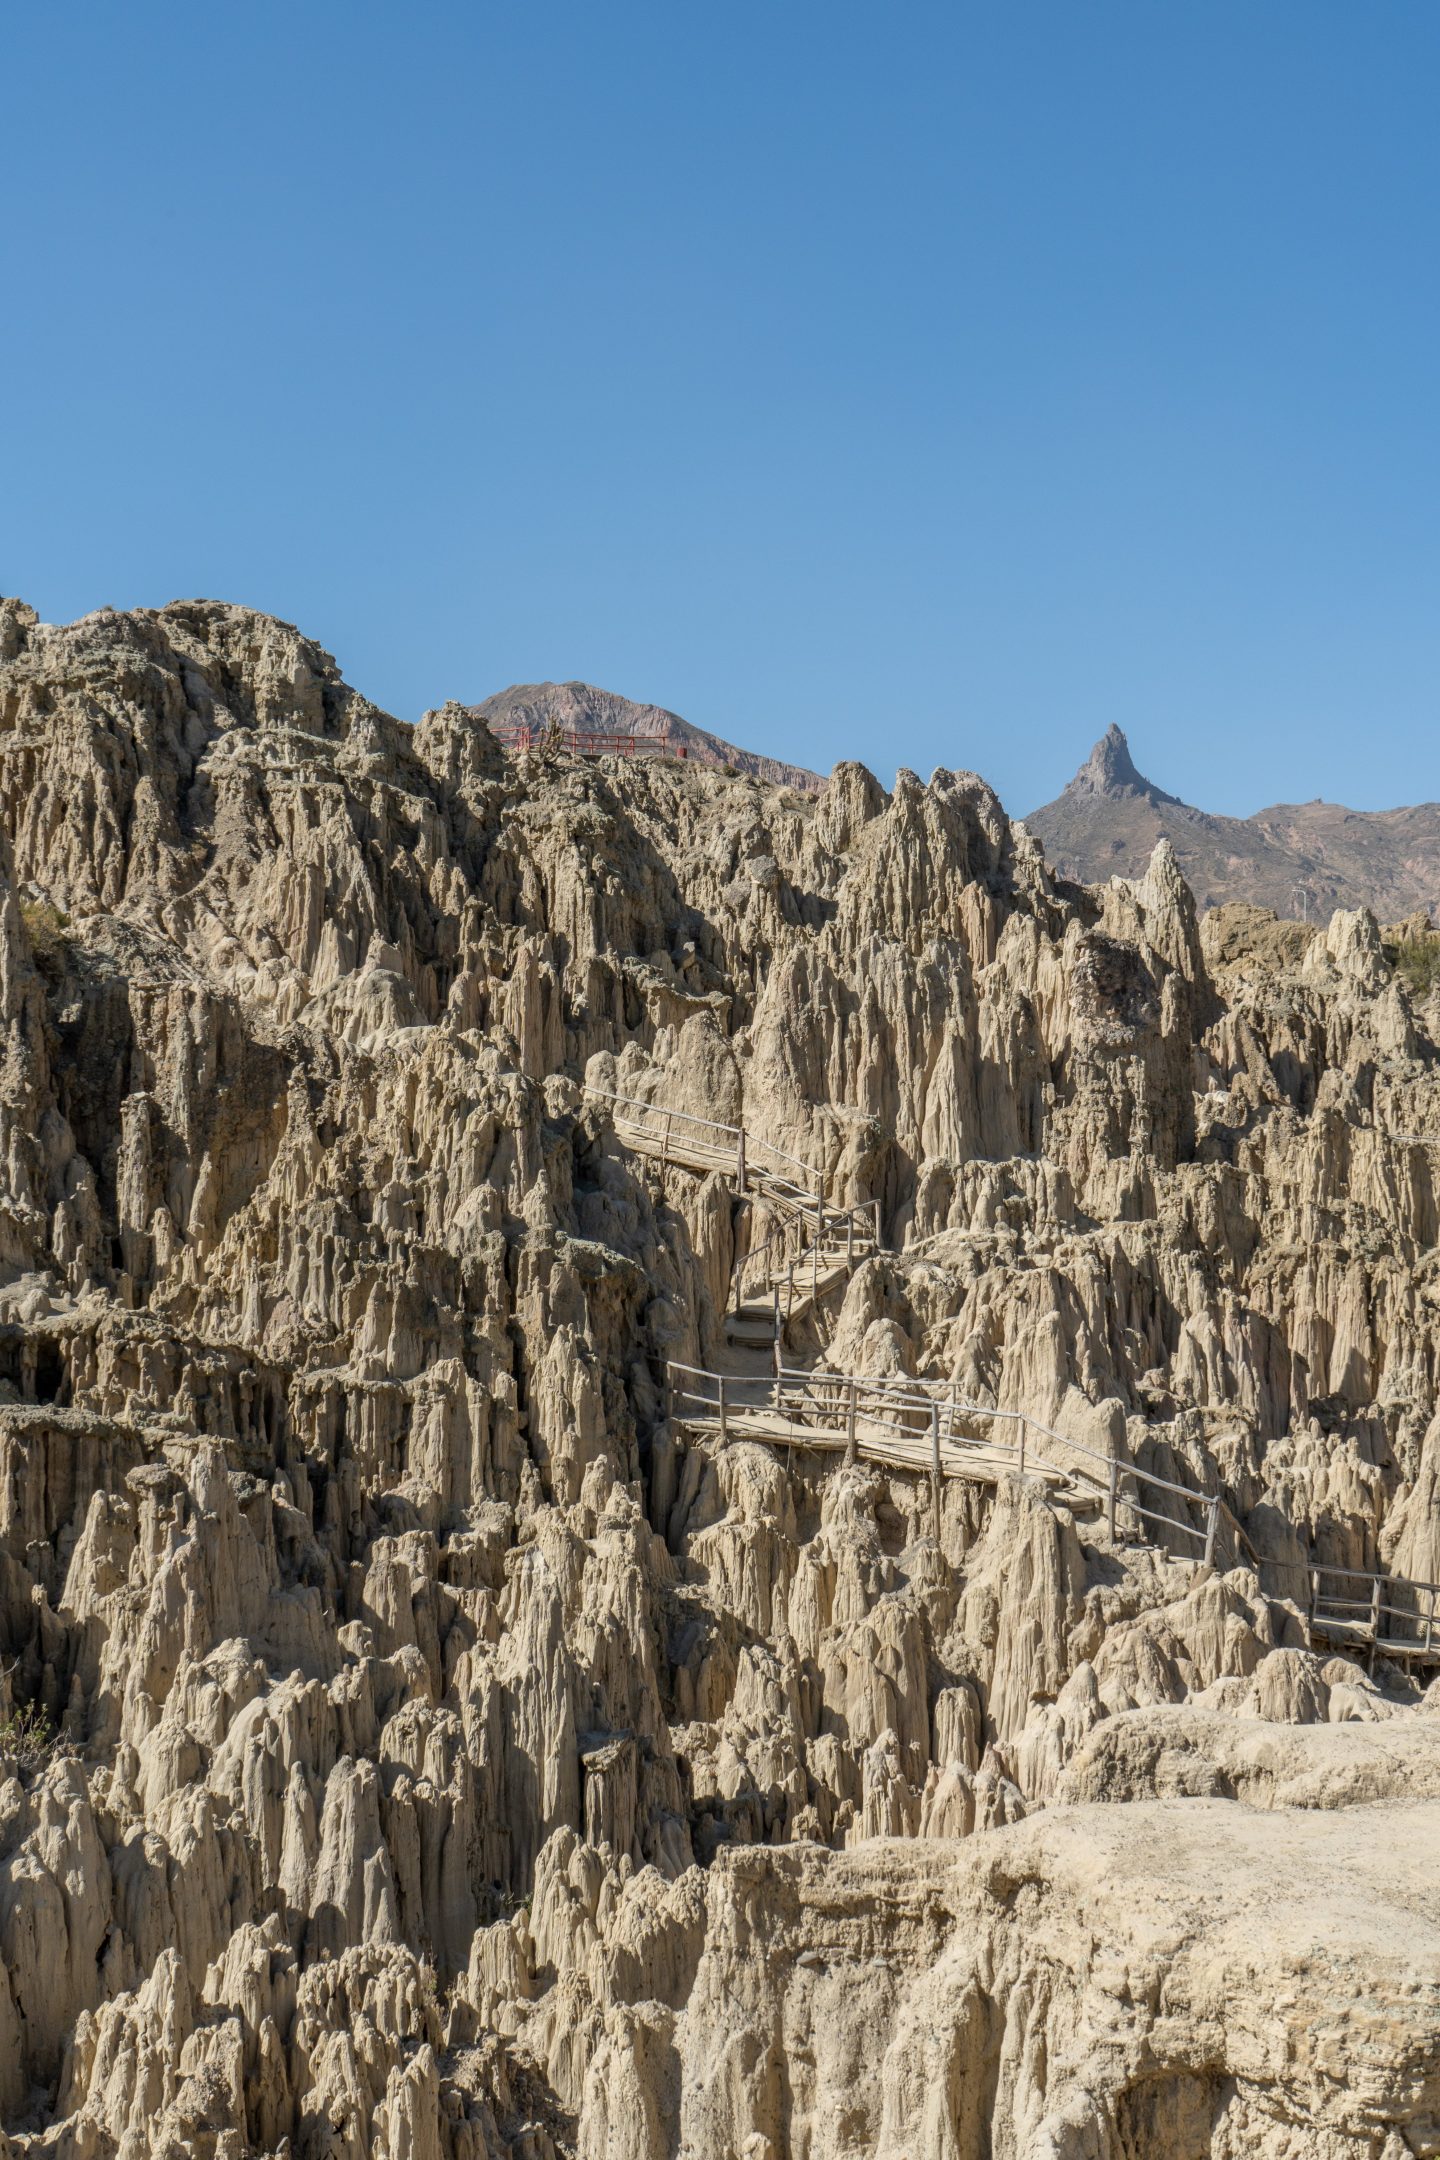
(521, 735)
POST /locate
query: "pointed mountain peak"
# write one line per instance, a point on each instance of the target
(1110, 765)
(1110, 770)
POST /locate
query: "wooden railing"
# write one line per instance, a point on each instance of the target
(790, 1261)
(1389, 1614)
(801, 1253)
(678, 1134)
(924, 1425)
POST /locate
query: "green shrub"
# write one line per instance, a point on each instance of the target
(28, 1736)
(45, 926)
(1416, 960)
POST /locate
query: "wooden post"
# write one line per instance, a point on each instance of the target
(850, 1423)
(790, 1290)
(850, 1239)
(724, 1429)
(935, 1463)
(1374, 1621)
(740, 1160)
(1022, 1447)
(815, 1272)
(1212, 1525)
(665, 1142)
(877, 1226)
(1114, 1496)
(1430, 1620)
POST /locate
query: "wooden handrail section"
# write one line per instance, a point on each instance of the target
(814, 1245)
(908, 1423)
(655, 1124)
(1368, 1621)
(920, 1425)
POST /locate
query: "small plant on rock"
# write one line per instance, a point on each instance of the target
(1416, 960)
(28, 1737)
(45, 925)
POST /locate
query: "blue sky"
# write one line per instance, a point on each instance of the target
(929, 385)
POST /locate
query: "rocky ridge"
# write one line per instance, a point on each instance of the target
(1298, 859)
(415, 1742)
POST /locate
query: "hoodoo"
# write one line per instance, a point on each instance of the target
(690, 1465)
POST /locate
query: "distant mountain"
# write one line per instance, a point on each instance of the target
(579, 708)
(1109, 818)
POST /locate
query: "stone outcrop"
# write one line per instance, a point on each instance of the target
(1299, 859)
(414, 1739)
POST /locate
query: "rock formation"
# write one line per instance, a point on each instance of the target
(1109, 819)
(418, 1740)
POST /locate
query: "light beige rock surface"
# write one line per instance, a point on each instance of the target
(415, 1744)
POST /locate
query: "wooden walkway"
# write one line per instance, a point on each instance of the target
(703, 1144)
(924, 1427)
(810, 1249)
(1371, 1616)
